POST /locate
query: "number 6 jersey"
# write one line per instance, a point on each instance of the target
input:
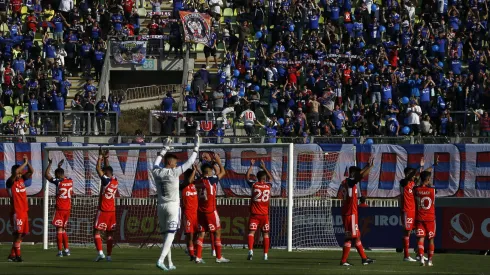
(108, 191)
(261, 193)
(64, 190)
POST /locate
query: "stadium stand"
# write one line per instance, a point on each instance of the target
(348, 68)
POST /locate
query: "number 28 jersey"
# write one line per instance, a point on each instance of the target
(108, 191)
(261, 193)
(425, 197)
(64, 191)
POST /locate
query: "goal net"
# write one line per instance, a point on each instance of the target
(305, 224)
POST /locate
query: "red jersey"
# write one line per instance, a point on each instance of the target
(206, 190)
(128, 5)
(348, 190)
(189, 198)
(16, 5)
(107, 201)
(261, 193)
(64, 190)
(18, 195)
(425, 197)
(153, 28)
(407, 200)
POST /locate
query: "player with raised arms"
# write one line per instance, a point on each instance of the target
(259, 207)
(425, 224)
(106, 215)
(190, 204)
(18, 206)
(407, 204)
(207, 214)
(64, 191)
(350, 217)
(168, 189)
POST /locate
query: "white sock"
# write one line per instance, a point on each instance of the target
(169, 257)
(167, 244)
(101, 252)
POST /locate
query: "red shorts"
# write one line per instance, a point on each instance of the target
(105, 221)
(258, 221)
(351, 226)
(20, 222)
(408, 220)
(208, 221)
(426, 228)
(61, 218)
(190, 221)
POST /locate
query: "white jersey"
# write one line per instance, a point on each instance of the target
(167, 181)
(248, 117)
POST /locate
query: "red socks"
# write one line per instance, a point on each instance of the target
(199, 248)
(345, 251)
(213, 241)
(65, 240)
(98, 242)
(431, 251)
(12, 251)
(406, 246)
(360, 249)
(251, 239)
(17, 249)
(190, 248)
(266, 244)
(59, 240)
(109, 245)
(421, 248)
(217, 245)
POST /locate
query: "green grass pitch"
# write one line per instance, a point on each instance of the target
(142, 261)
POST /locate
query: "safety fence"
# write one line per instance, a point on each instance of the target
(75, 122)
(156, 92)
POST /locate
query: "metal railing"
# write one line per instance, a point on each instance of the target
(117, 139)
(215, 118)
(75, 122)
(147, 92)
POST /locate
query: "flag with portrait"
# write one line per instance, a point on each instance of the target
(197, 26)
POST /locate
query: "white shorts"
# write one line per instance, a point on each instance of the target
(169, 217)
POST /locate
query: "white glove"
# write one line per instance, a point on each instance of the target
(167, 143)
(197, 143)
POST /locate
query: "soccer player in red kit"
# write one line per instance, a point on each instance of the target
(425, 224)
(19, 207)
(190, 204)
(64, 191)
(349, 193)
(207, 214)
(106, 215)
(259, 207)
(407, 204)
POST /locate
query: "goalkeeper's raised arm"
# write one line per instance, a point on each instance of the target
(170, 160)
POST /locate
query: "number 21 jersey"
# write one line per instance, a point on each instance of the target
(108, 194)
(261, 193)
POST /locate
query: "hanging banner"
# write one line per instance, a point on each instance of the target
(129, 52)
(197, 26)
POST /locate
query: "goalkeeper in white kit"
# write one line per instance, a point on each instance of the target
(168, 208)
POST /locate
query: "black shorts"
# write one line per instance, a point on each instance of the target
(249, 129)
(209, 51)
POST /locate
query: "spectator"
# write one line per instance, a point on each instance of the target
(167, 103)
(249, 120)
(413, 117)
(102, 107)
(363, 203)
(484, 123)
(426, 126)
(76, 105)
(218, 98)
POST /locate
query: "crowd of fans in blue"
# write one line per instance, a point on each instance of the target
(343, 67)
